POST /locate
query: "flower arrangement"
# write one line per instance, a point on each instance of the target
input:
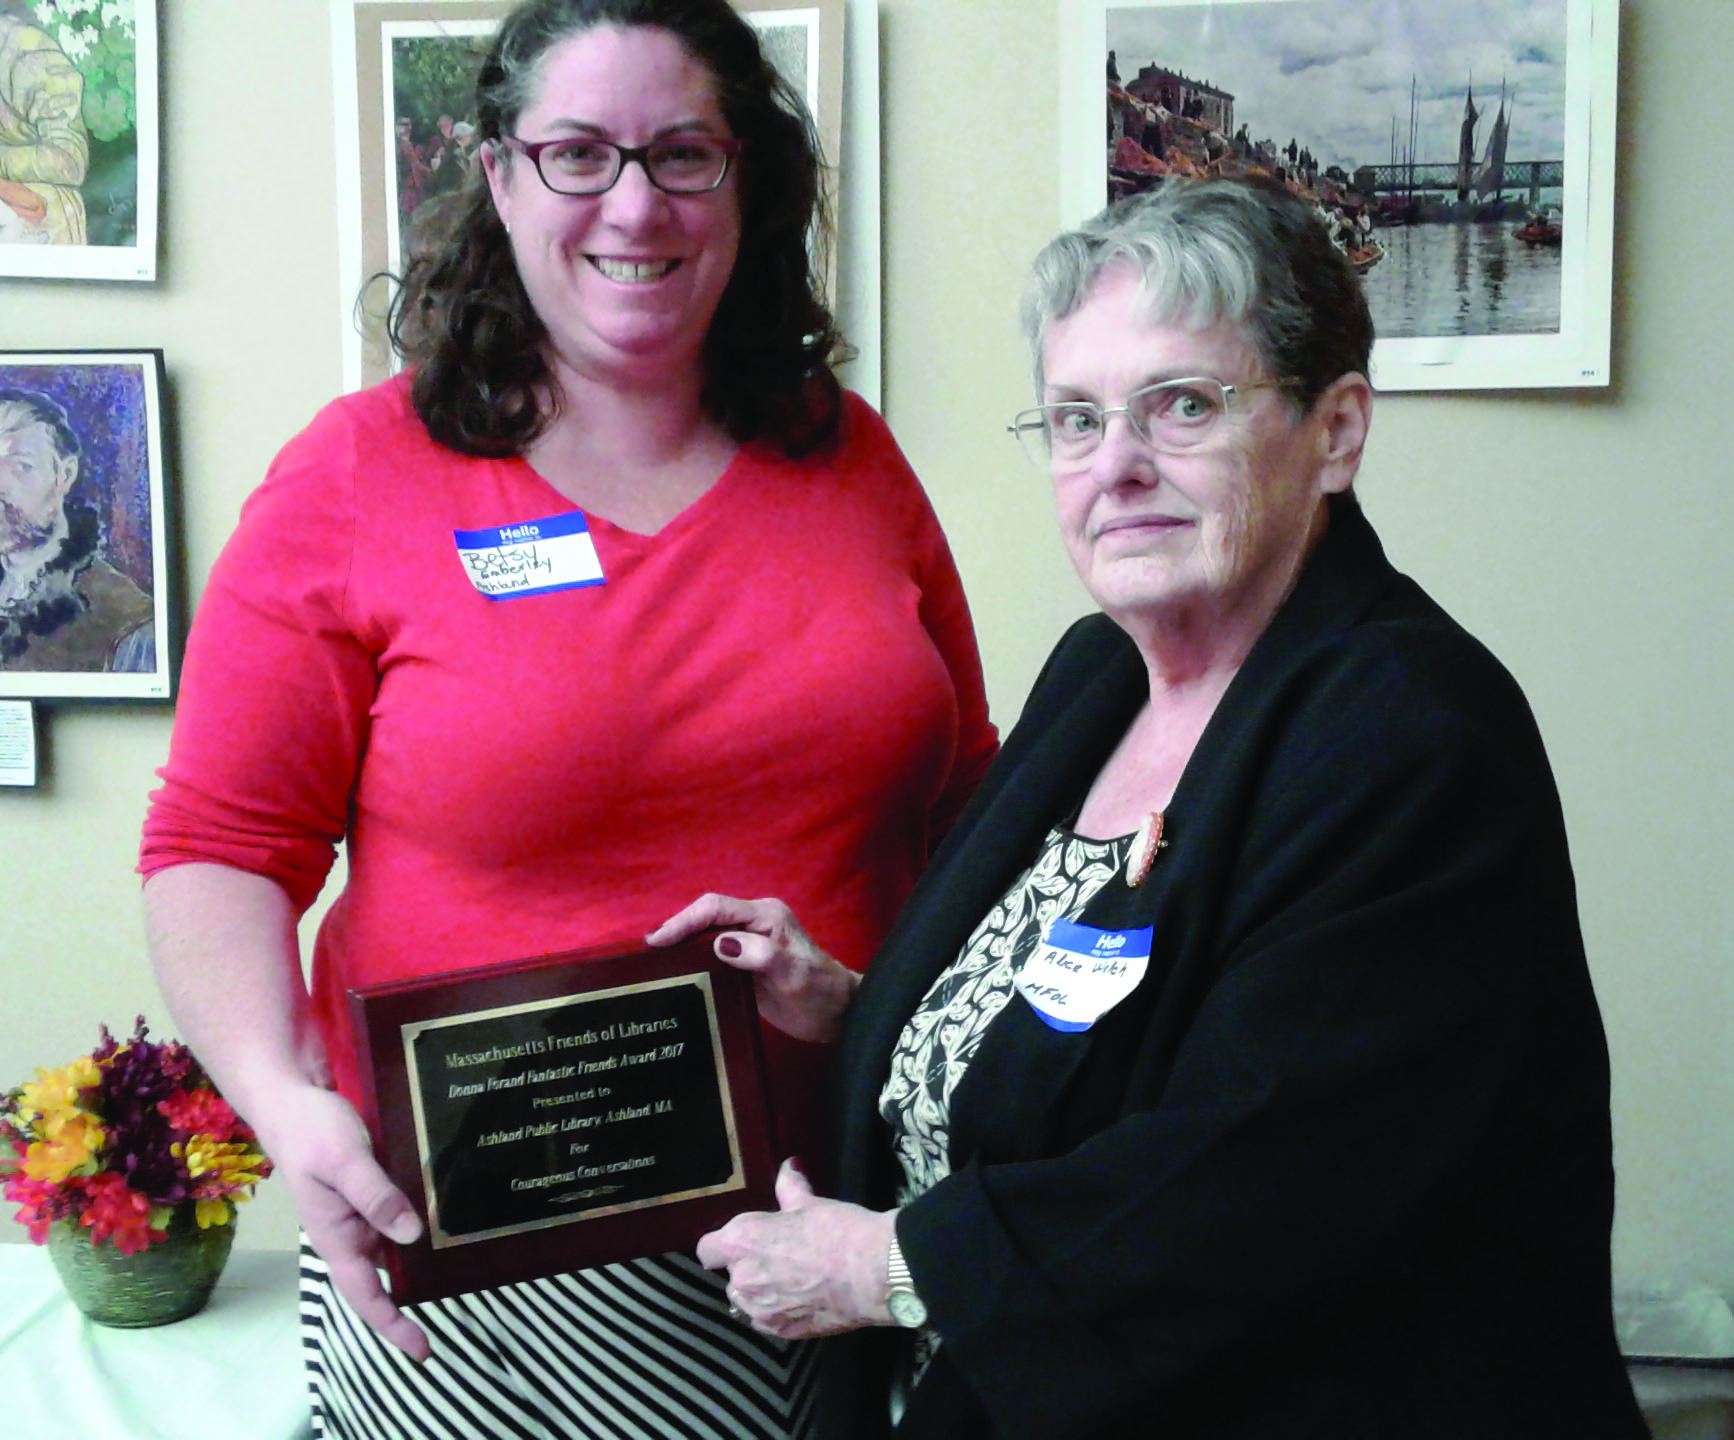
(122, 1137)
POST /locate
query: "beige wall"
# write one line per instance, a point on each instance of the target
(1584, 537)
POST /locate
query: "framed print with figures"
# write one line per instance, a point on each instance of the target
(78, 139)
(86, 608)
(1461, 152)
(410, 137)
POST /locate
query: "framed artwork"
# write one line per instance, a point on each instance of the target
(803, 39)
(85, 599)
(410, 65)
(1462, 152)
(78, 139)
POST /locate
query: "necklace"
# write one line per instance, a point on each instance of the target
(1142, 854)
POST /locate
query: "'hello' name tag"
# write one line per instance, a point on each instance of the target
(535, 557)
(1079, 973)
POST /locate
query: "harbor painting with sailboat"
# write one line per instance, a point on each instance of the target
(1429, 134)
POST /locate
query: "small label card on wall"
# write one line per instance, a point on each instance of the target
(17, 742)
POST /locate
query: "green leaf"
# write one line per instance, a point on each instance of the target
(106, 114)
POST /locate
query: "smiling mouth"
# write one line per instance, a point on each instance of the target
(1135, 523)
(633, 272)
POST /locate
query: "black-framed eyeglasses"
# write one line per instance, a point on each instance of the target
(1171, 416)
(586, 165)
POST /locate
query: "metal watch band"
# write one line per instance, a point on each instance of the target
(901, 1300)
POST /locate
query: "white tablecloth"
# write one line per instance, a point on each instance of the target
(233, 1370)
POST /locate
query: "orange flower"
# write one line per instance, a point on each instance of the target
(71, 1149)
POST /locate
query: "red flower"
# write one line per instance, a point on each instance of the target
(203, 1112)
(114, 1209)
(40, 1203)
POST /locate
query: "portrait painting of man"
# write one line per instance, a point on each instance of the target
(80, 530)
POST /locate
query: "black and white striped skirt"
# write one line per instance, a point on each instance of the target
(643, 1350)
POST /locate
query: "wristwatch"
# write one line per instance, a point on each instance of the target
(905, 1305)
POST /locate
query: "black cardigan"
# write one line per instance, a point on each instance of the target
(1340, 1166)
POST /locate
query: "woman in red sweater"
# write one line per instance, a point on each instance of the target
(738, 659)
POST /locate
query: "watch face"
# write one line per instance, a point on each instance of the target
(906, 1309)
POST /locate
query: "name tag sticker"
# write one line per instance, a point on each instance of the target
(535, 557)
(1077, 974)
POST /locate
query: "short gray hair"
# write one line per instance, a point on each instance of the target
(1205, 251)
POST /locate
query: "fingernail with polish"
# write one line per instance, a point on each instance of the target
(728, 947)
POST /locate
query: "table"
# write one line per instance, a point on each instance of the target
(233, 1369)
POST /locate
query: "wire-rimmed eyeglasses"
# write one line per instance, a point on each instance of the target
(587, 165)
(1172, 416)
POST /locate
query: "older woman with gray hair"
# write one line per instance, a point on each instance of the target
(1234, 1071)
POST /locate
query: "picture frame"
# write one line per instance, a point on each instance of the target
(87, 607)
(80, 202)
(1393, 93)
(388, 57)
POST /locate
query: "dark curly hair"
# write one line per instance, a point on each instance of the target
(462, 319)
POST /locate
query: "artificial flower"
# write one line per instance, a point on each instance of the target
(201, 1112)
(217, 1167)
(114, 1210)
(54, 1096)
(71, 1148)
(213, 1212)
(120, 1138)
(41, 1204)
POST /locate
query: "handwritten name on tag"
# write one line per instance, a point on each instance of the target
(535, 557)
(1079, 973)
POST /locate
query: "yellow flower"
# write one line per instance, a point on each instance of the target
(212, 1212)
(50, 1100)
(229, 1162)
(72, 1150)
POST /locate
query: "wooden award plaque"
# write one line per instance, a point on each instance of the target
(567, 1111)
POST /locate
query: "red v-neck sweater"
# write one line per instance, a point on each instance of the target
(776, 694)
